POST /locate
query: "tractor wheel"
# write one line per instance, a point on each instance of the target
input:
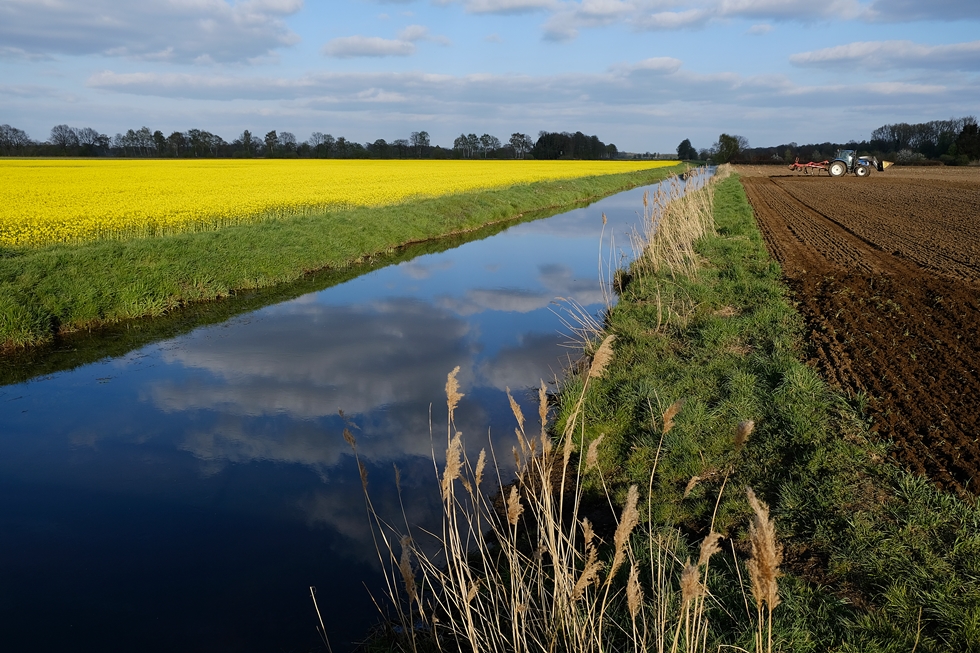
(862, 171)
(838, 169)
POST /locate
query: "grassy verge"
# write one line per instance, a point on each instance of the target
(62, 289)
(874, 559)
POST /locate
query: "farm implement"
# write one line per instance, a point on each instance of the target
(844, 162)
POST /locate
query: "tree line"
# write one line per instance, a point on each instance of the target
(65, 140)
(951, 142)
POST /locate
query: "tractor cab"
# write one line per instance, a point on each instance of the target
(847, 156)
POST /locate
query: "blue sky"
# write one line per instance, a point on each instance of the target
(643, 74)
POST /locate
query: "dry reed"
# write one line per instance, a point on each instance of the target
(743, 432)
(767, 555)
(676, 215)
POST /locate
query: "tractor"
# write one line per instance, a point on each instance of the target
(848, 161)
(844, 161)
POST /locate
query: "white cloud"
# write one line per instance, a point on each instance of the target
(915, 10)
(638, 104)
(670, 20)
(625, 85)
(653, 64)
(801, 10)
(759, 29)
(883, 55)
(368, 46)
(565, 23)
(658, 15)
(374, 46)
(200, 31)
(509, 6)
(9, 52)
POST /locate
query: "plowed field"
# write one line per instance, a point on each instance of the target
(886, 271)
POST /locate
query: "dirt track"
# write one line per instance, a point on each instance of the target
(886, 271)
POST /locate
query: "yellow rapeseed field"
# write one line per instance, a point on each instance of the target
(78, 200)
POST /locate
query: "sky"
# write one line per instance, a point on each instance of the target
(643, 74)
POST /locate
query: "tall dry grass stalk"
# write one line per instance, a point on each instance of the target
(767, 555)
(674, 218)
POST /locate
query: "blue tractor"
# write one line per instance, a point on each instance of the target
(846, 161)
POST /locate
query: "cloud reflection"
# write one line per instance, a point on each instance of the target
(353, 358)
(557, 281)
(384, 364)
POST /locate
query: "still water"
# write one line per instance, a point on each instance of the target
(184, 496)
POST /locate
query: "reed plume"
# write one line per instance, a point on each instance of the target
(602, 357)
(514, 507)
(743, 432)
(405, 567)
(592, 457)
(453, 464)
(453, 395)
(627, 522)
(670, 414)
(763, 566)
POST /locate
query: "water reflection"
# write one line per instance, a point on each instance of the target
(203, 480)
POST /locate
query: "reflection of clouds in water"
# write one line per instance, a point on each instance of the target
(273, 389)
(383, 365)
(558, 281)
(418, 270)
(539, 356)
(508, 300)
(235, 440)
(340, 504)
(623, 211)
(354, 358)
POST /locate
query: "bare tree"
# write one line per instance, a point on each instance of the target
(473, 144)
(271, 139)
(401, 147)
(462, 146)
(64, 137)
(287, 143)
(317, 141)
(489, 144)
(13, 140)
(144, 141)
(521, 143)
(177, 142)
(420, 142)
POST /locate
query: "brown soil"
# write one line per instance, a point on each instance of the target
(886, 271)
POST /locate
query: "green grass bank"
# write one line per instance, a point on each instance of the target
(62, 289)
(874, 559)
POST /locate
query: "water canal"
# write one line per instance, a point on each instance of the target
(186, 494)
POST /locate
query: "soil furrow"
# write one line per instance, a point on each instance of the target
(887, 274)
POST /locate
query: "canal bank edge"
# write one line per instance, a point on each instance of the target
(875, 559)
(62, 289)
